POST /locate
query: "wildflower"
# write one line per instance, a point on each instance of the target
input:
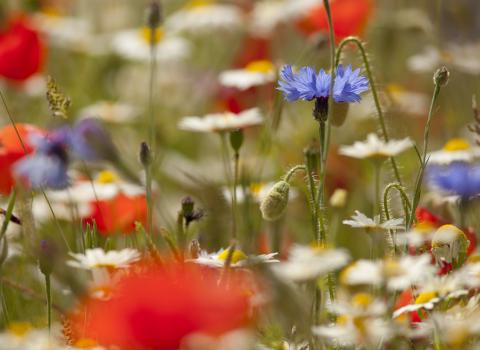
(159, 307)
(239, 258)
(307, 263)
(200, 16)
(406, 101)
(349, 18)
(455, 150)
(360, 220)
(374, 148)
(135, 45)
(458, 178)
(221, 122)
(11, 150)
(47, 168)
(253, 74)
(111, 112)
(21, 50)
(98, 258)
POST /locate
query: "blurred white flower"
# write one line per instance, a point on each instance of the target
(200, 16)
(409, 102)
(135, 45)
(455, 150)
(360, 220)
(98, 258)
(254, 74)
(239, 258)
(115, 112)
(375, 148)
(418, 236)
(306, 263)
(219, 122)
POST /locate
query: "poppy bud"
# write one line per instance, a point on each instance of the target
(450, 244)
(47, 256)
(441, 76)
(236, 140)
(145, 154)
(275, 202)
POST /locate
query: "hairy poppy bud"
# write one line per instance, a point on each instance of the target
(441, 76)
(275, 202)
(450, 244)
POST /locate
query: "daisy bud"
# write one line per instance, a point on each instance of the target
(340, 111)
(145, 154)
(236, 140)
(441, 76)
(153, 15)
(275, 202)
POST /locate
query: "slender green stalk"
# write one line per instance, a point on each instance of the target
(368, 70)
(424, 160)
(377, 207)
(3, 301)
(49, 301)
(313, 200)
(234, 194)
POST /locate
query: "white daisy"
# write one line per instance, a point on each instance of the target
(375, 148)
(306, 263)
(220, 122)
(455, 150)
(409, 102)
(135, 45)
(254, 74)
(360, 220)
(256, 191)
(362, 272)
(97, 258)
(200, 16)
(116, 112)
(239, 258)
(418, 236)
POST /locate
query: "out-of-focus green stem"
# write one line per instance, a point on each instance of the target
(49, 301)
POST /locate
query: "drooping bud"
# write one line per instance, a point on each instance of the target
(153, 15)
(340, 111)
(320, 111)
(450, 244)
(236, 140)
(145, 154)
(275, 202)
(441, 76)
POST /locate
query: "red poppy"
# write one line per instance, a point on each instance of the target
(21, 50)
(155, 309)
(11, 150)
(118, 214)
(406, 298)
(349, 18)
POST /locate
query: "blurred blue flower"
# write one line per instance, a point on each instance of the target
(47, 167)
(307, 85)
(458, 178)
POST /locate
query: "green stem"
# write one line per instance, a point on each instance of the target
(49, 301)
(148, 190)
(293, 170)
(378, 169)
(234, 195)
(312, 200)
(320, 204)
(426, 134)
(373, 87)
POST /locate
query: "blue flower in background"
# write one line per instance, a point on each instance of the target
(458, 178)
(47, 167)
(308, 85)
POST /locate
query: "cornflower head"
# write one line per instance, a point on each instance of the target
(309, 85)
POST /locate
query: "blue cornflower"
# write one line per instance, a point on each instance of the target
(457, 178)
(47, 167)
(308, 85)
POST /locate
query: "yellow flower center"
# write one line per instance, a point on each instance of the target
(85, 343)
(198, 3)
(147, 34)
(261, 66)
(425, 297)
(362, 299)
(237, 255)
(474, 259)
(392, 268)
(256, 188)
(456, 145)
(50, 11)
(19, 328)
(106, 177)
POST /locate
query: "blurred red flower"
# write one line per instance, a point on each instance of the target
(349, 18)
(155, 309)
(118, 214)
(11, 150)
(21, 50)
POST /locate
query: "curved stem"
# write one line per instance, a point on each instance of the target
(406, 208)
(368, 70)
(293, 170)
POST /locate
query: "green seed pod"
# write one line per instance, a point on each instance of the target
(340, 111)
(275, 202)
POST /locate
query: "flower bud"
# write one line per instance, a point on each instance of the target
(47, 256)
(236, 140)
(145, 154)
(312, 155)
(275, 202)
(340, 111)
(441, 76)
(153, 15)
(320, 111)
(339, 198)
(187, 206)
(450, 244)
